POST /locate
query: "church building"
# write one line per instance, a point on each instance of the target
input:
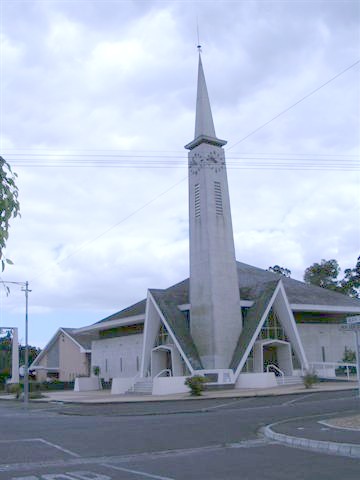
(236, 324)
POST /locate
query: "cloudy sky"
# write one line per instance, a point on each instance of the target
(96, 103)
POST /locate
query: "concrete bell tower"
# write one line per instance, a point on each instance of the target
(215, 314)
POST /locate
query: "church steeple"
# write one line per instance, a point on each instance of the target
(204, 124)
(215, 311)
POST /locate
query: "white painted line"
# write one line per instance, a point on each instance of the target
(294, 400)
(324, 422)
(136, 472)
(41, 440)
(220, 406)
(65, 450)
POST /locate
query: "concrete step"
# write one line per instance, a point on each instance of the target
(143, 387)
(290, 380)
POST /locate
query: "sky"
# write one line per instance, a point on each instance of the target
(97, 100)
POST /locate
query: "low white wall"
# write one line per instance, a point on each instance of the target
(121, 385)
(327, 372)
(169, 385)
(256, 380)
(87, 384)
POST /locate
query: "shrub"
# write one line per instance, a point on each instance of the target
(15, 389)
(309, 379)
(196, 384)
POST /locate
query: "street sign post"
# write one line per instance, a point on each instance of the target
(353, 323)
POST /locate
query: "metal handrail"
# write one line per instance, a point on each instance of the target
(166, 370)
(277, 369)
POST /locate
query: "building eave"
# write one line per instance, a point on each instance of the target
(113, 323)
(300, 307)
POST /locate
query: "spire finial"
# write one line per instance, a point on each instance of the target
(198, 35)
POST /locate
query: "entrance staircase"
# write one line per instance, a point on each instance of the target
(141, 387)
(290, 380)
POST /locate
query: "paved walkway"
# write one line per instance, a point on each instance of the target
(104, 396)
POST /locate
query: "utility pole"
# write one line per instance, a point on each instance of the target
(26, 368)
(25, 288)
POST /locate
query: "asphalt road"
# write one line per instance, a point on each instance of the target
(207, 439)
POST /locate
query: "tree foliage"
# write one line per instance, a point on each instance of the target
(326, 273)
(281, 270)
(323, 274)
(9, 205)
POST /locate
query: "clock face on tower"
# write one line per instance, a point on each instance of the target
(213, 160)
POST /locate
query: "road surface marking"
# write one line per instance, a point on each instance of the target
(290, 402)
(54, 445)
(137, 472)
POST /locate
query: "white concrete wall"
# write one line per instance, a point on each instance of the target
(169, 385)
(87, 384)
(256, 380)
(121, 385)
(284, 358)
(330, 336)
(117, 357)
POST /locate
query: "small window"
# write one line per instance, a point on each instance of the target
(197, 201)
(106, 365)
(137, 363)
(121, 364)
(323, 354)
(218, 198)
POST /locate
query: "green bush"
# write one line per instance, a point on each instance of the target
(309, 379)
(15, 389)
(196, 384)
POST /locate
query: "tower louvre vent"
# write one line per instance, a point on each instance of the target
(218, 198)
(197, 201)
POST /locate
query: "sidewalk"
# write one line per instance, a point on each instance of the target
(104, 396)
(316, 434)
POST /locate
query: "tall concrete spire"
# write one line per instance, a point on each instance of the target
(215, 312)
(204, 125)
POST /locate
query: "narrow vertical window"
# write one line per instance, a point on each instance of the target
(218, 198)
(106, 365)
(197, 201)
(137, 363)
(323, 354)
(121, 364)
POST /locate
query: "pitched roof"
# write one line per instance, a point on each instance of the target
(251, 323)
(135, 309)
(252, 282)
(177, 322)
(83, 339)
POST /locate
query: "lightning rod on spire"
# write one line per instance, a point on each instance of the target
(198, 35)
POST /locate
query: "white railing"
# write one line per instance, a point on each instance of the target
(166, 370)
(277, 369)
(328, 369)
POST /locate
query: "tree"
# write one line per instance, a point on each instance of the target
(325, 274)
(9, 205)
(350, 284)
(281, 270)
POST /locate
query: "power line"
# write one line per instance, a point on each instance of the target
(94, 239)
(294, 104)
